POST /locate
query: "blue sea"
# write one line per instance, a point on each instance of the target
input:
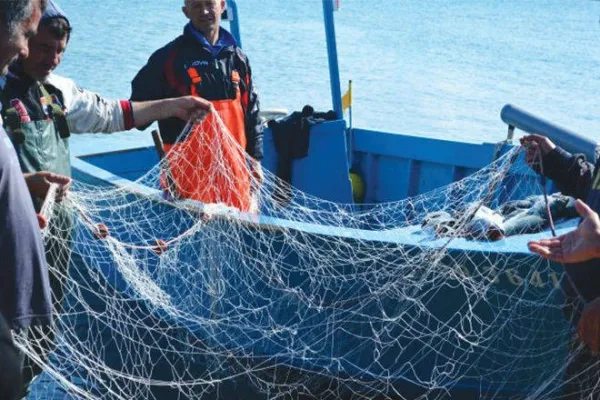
(438, 68)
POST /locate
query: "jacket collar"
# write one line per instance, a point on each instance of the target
(225, 42)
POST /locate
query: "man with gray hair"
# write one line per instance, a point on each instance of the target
(24, 289)
(19, 20)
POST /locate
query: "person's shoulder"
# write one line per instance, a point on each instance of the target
(62, 86)
(241, 53)
(69, 93)
(230, 42)
(60, 82)
(164, 51)
(241, 60)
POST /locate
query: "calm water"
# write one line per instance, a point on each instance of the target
(432, 68)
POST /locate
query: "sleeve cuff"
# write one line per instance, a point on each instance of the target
(128, 114)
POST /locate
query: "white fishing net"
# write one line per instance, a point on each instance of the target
(167, 299)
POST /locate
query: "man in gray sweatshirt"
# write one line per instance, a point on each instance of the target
(24, 289)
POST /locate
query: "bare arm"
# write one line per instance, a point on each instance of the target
(185, 108)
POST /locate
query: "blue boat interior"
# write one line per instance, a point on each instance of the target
(392, 166)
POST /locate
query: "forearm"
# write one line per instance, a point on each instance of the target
(184, 108)
(571, 173)
(146, 112)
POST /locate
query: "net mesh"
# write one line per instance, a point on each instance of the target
(267, 292)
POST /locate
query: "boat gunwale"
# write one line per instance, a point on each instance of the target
(401, 236)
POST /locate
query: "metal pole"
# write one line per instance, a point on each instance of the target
(234, 21)
(511, 133)
(351, 101)
(571, 141)
(334, 71)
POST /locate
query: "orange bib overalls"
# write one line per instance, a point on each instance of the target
(211, 164)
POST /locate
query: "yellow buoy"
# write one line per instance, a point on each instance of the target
(358, 187)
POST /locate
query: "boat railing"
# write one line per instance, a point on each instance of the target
(518, 118)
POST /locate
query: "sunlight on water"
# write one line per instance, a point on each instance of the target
(435, 68)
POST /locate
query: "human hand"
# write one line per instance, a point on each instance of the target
(38, 184)
(579, 245)
(535, 143)
(191, 108)
(589, 326)
(42, 221)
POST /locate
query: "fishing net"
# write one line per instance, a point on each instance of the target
(267, 292)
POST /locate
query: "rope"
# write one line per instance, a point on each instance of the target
(543, 182)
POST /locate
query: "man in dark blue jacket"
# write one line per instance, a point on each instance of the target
(204, 61)
(575, 177)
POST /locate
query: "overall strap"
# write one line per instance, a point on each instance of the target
(12, 119)
(56, 113)
(196, 81)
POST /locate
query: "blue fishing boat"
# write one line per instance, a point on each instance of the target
(338, 293)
